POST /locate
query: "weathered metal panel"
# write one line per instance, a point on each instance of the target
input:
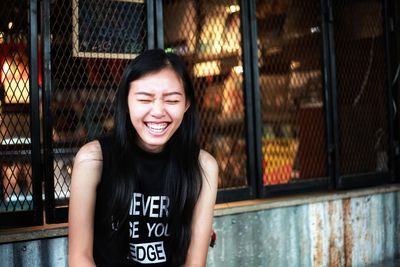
(249, 239)
(326, 233)
(346, 232)
(374, 228)
(38, 253)
(350, 232)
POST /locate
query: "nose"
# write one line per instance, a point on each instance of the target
(158, 109)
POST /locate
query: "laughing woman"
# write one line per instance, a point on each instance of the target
(145, 194)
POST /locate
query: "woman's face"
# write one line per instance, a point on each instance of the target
(156, 104)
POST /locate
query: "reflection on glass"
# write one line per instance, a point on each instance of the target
(15, 78)
(84, 78)
(207, 35)
(15, 122)
(289, 43)
(361, 87)
(16, 186)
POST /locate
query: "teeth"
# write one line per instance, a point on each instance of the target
(157, 127)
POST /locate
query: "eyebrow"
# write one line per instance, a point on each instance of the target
(166, 94)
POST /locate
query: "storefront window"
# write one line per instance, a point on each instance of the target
(91, 43)
(15, 131)
(362, 87)
(290, 67)
(306, 110)
(207, 35)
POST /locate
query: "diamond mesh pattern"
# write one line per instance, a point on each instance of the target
(289, 48)
(15, 172)
(207, 35)
(360, 60)
(91, 43)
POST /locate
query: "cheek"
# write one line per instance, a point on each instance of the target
(178, 112)
(136, 107)
(136, 112)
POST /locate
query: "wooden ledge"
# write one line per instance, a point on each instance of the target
(33, 233)
(300, 199)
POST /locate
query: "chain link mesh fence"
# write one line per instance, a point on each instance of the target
(207, 35)
(290, 67)
(15, 134)
(361, 86)
(91, 43)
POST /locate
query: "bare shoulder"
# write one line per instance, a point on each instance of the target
(90, 152)
(209, 167)
(207, 161)
(88, 166)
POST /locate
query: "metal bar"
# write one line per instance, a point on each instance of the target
(386, 17)
(150, 24)
(334, 118)
(368, 179)
(233, 194)
(330, 142)
(396, 87)
(304, 186)
(35, 116)
(256, 101)
(16, 219)
(248, 96)
(60, 214)
(47, 119)
(159, 23)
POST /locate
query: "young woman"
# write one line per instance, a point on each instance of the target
(145, 194)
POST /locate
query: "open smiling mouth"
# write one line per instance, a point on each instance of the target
(157, 127)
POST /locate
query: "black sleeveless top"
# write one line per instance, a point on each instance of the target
(147, 233)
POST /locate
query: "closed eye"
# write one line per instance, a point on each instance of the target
(172, 101)
(144, 100)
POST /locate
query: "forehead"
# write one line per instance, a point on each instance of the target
(165, 80)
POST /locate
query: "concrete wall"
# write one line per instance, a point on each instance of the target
(342, 231)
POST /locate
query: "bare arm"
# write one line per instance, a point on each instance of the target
(203, 213)
(86, 175)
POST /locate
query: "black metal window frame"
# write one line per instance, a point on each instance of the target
(33, 216)
(343, 181)
(42, 155)
(335, 179)
(53, 213)
(393, 33)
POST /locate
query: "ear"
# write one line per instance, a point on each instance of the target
(187, 105)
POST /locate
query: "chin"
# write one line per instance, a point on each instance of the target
(154, 145)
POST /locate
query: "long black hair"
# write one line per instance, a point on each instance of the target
(183, 169)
